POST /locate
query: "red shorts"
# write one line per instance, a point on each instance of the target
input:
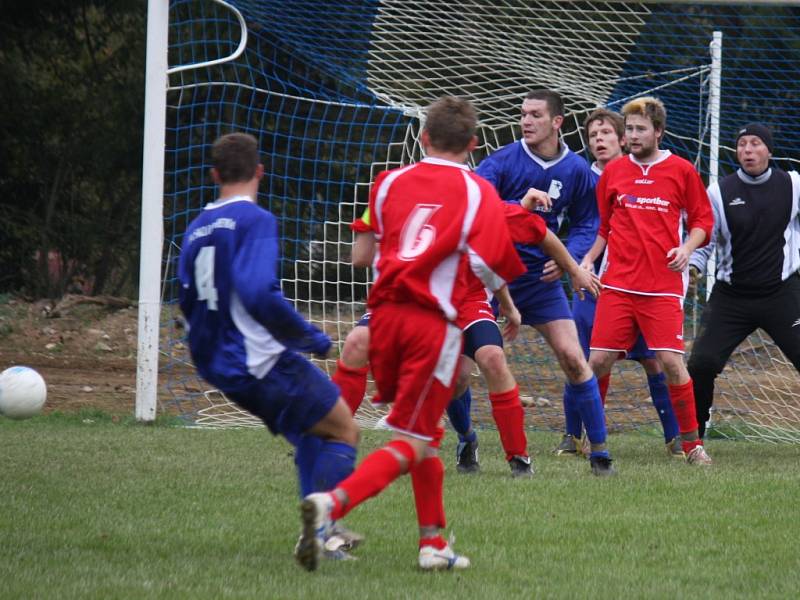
(474, 309)
(621, 316)
(413, 354)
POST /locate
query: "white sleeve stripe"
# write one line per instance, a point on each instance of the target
(380, 197)
(489, 278)
(473, 203)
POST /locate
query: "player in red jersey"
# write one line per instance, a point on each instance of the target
(431, 220)
(642, 200)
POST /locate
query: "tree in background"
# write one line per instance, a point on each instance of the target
(72, 90)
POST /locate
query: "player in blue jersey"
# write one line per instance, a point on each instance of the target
(605, 131)
(540, 162)
(245, 337)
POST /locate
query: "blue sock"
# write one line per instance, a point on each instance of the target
(660, 395)
(572, 416)
(335, 461)
(306, 450)
(586, 396)
(458, 413)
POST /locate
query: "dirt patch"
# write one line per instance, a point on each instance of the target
(85, 348)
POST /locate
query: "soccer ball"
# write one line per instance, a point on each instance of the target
(22, 393)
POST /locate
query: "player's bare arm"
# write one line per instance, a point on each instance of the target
(363, 249)
(680, 255)
(594, 253)
(536, 200)
(509, 310)
(581, 278)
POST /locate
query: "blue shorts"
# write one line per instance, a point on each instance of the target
(480, 334)
(364, 321)
(292, 398)
(583, 314)
(540, 302)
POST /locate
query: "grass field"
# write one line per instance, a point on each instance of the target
(97, 509)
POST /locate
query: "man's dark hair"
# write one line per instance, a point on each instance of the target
(555, 105)
(610, 117)
(451, 123)
(235, 157)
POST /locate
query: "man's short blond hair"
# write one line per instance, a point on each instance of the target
(650, 107)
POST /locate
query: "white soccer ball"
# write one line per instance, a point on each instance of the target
(22, 393)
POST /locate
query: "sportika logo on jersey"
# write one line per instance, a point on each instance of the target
(631, 201)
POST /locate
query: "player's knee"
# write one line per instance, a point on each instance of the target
(650, 366)
(463, 377)
(492, 362)
(574, 363)
(355, 353)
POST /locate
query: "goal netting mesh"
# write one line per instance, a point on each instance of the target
(334, 92)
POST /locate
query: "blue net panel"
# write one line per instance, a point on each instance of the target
(334, 92)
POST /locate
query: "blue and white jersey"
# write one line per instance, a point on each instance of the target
(568, 180)
(239, 322)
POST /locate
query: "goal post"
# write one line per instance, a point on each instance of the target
(152, 226)
(335, 92)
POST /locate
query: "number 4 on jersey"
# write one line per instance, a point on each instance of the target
(204, 276)
(417, 235)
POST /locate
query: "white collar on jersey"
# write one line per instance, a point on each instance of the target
(596, 168)
(545, 164)
(226, 201)
(750, 180)
(432, 160)
(663, 155)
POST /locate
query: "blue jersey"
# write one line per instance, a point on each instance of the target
(568, 180)
(239, 323)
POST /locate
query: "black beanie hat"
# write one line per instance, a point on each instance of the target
(758, 130)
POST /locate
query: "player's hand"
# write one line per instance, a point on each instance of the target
(513, 323)
(680, 259)
(322, 346)
(587, 265)
(536, 200)
(588, 281)
(551, 272)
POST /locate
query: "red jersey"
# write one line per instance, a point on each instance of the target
(430, 219)
(642, 207)
(525, 228)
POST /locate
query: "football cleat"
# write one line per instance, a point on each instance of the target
(431, 558)
(699, 456)
(567, 447)
(521, 466)
(675, 449)
(467, 457)
(315, 512)
(344, 538)
(601, 466)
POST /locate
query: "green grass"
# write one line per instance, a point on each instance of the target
(93, 508)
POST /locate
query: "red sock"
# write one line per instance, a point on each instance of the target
(373, 475)
(436, 541)
(510, 419)
(602, 383)
(427, 479)
(682, 398)
(352, 384)
(689, 446)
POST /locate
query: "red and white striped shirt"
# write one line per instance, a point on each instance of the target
(432, 220)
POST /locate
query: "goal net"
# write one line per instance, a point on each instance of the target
(334, 92)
